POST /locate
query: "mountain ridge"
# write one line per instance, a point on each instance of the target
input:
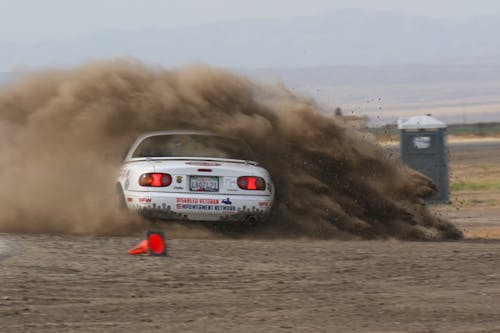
(339, 38)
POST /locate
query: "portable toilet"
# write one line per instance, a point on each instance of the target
(424, 148)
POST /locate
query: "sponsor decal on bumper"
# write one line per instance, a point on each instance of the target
(196, 208)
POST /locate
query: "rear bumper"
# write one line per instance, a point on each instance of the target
(199, 207)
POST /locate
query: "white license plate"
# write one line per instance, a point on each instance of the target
(204, 184)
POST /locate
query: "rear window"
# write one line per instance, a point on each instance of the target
(193, 145)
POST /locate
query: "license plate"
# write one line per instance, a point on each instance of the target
(204, 184)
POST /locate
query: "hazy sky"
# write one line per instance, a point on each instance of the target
(29, 21)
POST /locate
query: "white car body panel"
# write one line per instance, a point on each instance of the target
(178, 202)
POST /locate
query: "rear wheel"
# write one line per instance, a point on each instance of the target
(120, 199)
(128, 217)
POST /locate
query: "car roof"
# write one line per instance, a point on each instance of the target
(174, 132)
(145, 135)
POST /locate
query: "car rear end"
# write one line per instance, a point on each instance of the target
(197, 189)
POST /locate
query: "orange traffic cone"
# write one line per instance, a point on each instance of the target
(140, 248)
(156, 243)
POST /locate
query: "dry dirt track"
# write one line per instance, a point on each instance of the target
(90, 284)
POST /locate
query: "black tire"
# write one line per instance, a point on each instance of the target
(120, 198)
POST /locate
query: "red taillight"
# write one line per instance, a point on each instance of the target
(155, 179)
(251, 183)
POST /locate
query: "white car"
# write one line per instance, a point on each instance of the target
(196, 176)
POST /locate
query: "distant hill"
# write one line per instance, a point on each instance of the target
(362, 75)
(453, 93)
(349, 37)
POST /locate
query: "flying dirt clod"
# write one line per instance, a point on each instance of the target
(63, 133)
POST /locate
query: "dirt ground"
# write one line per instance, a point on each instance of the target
(55, 283)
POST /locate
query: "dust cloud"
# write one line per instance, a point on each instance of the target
(63, 134)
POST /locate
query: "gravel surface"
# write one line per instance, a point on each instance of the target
(91, 284)
(53, 283)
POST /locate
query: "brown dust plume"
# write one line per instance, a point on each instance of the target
(63, 133)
